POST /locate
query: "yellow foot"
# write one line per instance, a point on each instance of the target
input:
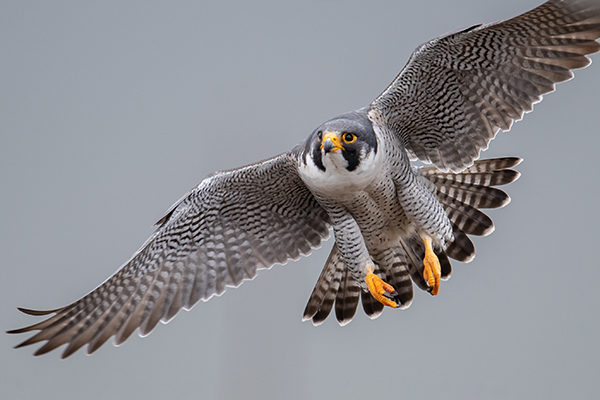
(379, 289)
(432, 271)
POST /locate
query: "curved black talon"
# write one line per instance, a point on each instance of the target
(393, 297)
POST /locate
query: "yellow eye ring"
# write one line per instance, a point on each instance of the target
(349, 138)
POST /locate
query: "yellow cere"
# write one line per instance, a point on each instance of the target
(334, 139)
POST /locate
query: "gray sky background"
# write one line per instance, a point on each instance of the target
(109, 111)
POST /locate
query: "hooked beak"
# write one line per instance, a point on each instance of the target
(331, 142)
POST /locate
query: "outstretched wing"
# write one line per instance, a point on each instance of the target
(458, 91)
(226, 228)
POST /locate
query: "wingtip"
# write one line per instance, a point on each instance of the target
(68, 351)
(25, 343)
(29, 311)
(40, 352)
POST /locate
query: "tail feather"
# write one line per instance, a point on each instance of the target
(493, 164)
(461, 248)
(337, 286)
(397, 275)
(324, 293)
(486, 166)
(445, 265)
(328, 300)
(494, 178)
(475, 195)
(371, 306)
(346, 300)
(466, 218)
(415, 251)
(464, 193)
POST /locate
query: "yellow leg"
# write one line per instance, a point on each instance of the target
(378, 287)
(432, 271)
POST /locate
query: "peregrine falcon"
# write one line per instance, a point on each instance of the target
(395, 221)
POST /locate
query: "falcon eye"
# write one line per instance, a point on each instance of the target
(349, 138)
(320, 135)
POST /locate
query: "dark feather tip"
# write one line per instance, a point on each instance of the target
(514, 161)
(27, 342)
(20, 330)
(36, 312)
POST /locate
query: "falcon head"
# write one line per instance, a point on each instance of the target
(345, 142)
(341, 155)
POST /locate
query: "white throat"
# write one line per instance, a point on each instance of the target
(336, 181)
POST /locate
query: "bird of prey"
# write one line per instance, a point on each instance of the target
(395, 222)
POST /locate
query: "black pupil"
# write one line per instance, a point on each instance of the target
(348, 137)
